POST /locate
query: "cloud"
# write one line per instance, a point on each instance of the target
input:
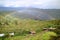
(22, 2)
(31, 3)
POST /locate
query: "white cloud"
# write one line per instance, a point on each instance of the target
(23, 2)
(30, 3)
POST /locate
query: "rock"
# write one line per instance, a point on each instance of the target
(1, 35)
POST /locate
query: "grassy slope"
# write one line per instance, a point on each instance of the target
(38, 36)
(22, 26)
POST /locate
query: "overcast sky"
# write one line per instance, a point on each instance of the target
(31, 3)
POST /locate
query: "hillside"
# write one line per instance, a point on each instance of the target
(33, 13)
(22, 28)
(29, 24)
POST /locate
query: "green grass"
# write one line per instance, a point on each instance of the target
(22, 27)
(39, 36)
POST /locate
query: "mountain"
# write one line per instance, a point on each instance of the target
(11, 8)
(33, 13)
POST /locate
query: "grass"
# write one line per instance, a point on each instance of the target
(38, 36)
(22, 27)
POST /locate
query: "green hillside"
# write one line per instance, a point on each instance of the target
(22, 27)
(28, 29)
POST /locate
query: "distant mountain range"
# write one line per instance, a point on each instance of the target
(33, 13)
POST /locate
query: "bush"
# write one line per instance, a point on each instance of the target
(48, 35)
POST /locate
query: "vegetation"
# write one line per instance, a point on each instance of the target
(22, 27)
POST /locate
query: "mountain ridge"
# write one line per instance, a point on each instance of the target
(33, 13)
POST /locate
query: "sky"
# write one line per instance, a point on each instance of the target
(45, 4)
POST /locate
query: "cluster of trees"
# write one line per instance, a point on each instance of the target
(56, 24)
(7, 24)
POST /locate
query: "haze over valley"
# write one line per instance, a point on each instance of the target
(32, 13)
